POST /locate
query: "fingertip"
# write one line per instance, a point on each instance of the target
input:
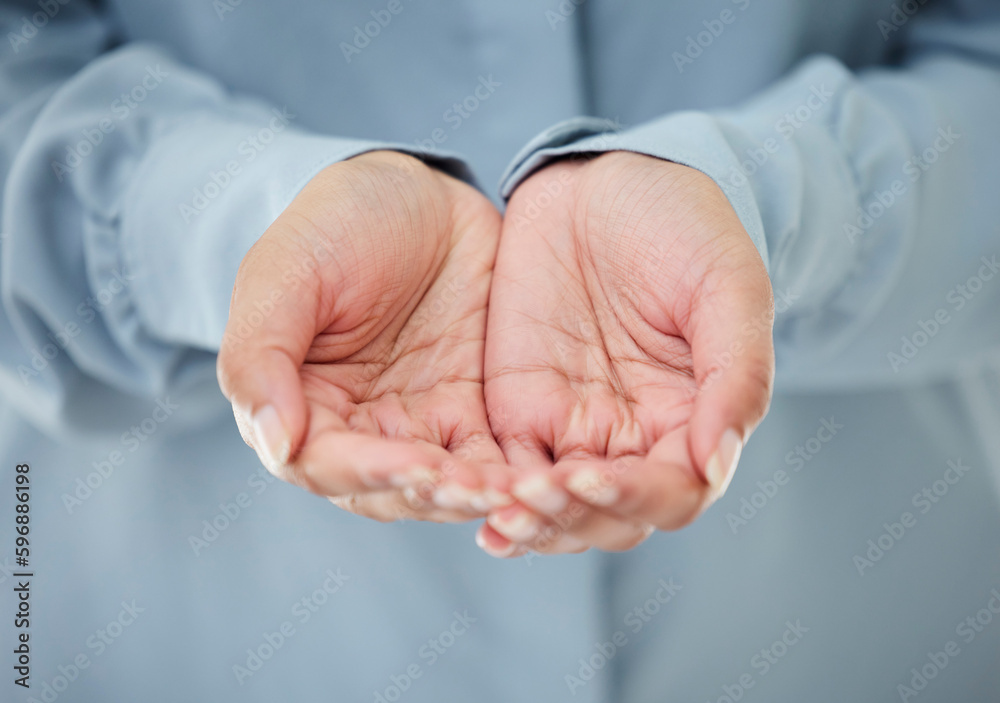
(271, 436)
(721, 465)
(540, 492)
(494, 543)
(266, 392)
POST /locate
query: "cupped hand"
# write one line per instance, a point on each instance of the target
(353, 352)
(628, 352)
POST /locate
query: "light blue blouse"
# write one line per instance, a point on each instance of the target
(145, 145)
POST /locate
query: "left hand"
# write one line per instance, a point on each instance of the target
(628, 352)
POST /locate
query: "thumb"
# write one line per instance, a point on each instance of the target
(272, 323)
(730, 332)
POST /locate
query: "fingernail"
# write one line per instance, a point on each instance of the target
(270, 434)
(490, 499)
(722, 465)
(497, 498)
(498, 552)
(587, 485)
(540, 493)
(242, 413)
(515, 523)
(413, 497)
(414, 476)
(454, 496)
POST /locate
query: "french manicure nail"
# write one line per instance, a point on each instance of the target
(540, 493)
(496, 498)
(242, 413)
(515, 523)
(588, 486)
(454, 496)
(271, 436)
(480, 503)
(413, 497)
(722, 464)
(414, 476)
(503, 553)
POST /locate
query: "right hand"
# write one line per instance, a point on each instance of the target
(354, 347)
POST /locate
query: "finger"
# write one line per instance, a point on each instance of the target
(662, 489)
(336, 460)
(729, 329)
(478, 478)
(581, 527)
(268, 334)
(472, 489)
(524, 434)
(341, 462)
(560, 543)
(568, 532)
(566, 522)
(496, 545)
(392, 506)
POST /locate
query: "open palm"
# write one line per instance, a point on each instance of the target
(614, 306)
(372, 357)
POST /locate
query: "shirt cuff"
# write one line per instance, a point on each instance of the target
(208, 192)
(694, 139)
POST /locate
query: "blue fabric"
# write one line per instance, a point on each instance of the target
(145, 145)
